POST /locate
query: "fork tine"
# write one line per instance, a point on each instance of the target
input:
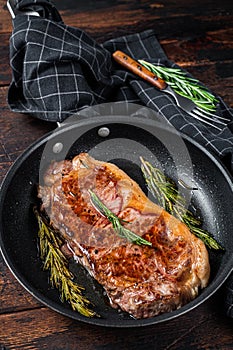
(181, 99)
(196, 112)
(201, 118)
(213, 115)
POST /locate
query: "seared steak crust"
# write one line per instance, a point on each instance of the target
(142, 280)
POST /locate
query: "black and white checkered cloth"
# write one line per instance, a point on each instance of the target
(58, 70)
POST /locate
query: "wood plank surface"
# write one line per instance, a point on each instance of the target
(198, 35)
(42, 328)
(202, 46)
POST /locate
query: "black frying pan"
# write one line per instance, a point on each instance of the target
(18, 231)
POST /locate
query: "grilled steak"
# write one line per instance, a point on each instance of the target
(141, 280)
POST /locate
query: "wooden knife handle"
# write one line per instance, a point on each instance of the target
(138, 69)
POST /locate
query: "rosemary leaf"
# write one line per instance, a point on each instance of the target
(165, 190)
(184, 85)
(116, 222)
(57, 264)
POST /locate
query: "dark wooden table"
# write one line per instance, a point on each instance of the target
(198, 35)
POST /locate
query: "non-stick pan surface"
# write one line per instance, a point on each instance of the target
(212, 200)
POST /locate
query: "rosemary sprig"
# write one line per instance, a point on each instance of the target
(184, 85)
(165, 190)
(57, 264)
(116, 222)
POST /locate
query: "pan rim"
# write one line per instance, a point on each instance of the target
(220, 279)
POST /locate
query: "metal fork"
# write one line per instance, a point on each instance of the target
(186, 104)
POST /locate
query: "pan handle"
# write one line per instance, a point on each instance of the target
(15, 12)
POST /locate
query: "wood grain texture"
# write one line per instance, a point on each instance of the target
(18, 131)
(200, 41)
(198, 35)
(42, 328)
(13, 296)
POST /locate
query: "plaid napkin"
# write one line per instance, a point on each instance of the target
(58, 70)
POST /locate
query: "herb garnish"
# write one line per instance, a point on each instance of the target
(116, 222)
(166, 192)
(55, 261)
(185, 86)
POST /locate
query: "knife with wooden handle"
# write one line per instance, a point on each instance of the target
(138, 69)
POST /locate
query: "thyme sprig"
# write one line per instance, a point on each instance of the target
(185, 85)
(117, 222)
(56, 263)
(166, 192)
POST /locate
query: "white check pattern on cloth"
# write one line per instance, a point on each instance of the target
(58, 70)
